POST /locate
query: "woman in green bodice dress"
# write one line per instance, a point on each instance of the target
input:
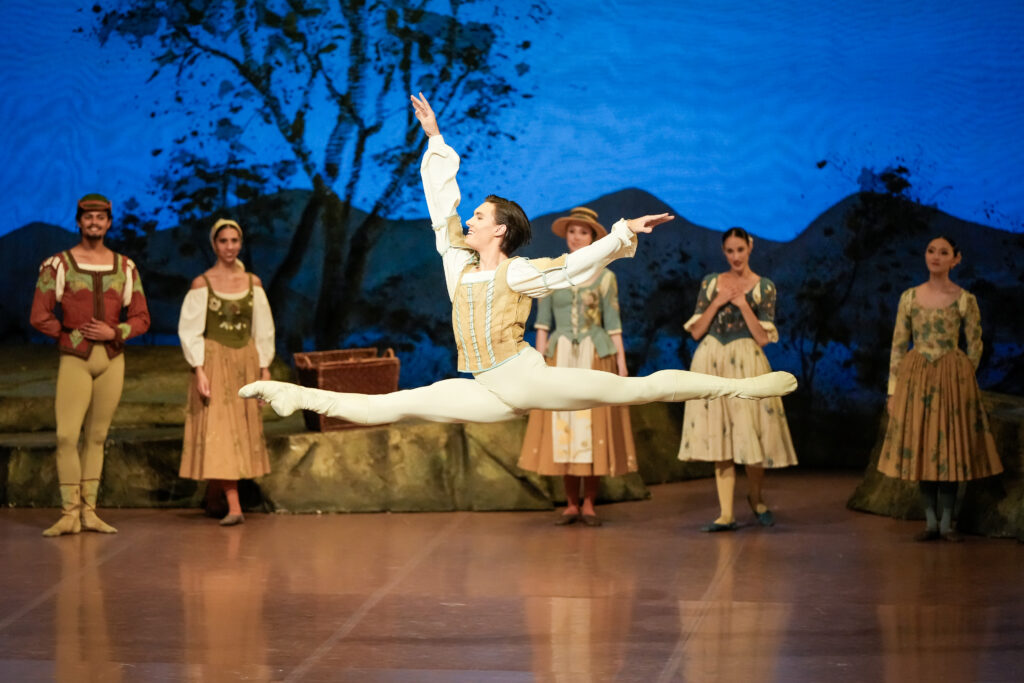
(584, 444)
(733, 319)
(938, 433)
(227, 335)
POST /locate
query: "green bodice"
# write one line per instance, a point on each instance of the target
(229, 321)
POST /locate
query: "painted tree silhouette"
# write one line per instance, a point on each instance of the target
(881, 215)
(324, 86)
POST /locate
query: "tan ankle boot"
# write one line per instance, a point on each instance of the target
(90, 522)
(70, 502)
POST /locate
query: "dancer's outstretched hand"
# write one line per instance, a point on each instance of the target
(647, 223)
(425, 115)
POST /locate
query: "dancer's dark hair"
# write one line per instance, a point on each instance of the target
(956, 249)
(517, 225)
(737, 232)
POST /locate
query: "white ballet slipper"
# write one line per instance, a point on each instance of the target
(768, 385)
(286, 398)
(283, 397)
(691, 385)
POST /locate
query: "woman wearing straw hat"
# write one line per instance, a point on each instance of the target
(581, 444)
(227, 335)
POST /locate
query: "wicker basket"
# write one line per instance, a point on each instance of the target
(357, 371)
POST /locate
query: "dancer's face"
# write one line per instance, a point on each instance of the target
(737, 253)
(578, 235)
(94, 225)
(482, 227)
(940, 256)
(227, 244)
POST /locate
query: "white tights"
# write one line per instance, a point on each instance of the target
(522, 384)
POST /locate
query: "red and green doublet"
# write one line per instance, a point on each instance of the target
(86, 294)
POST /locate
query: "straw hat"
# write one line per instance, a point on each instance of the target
(580, 214)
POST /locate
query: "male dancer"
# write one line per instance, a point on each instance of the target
(491, 295)
(92, 284)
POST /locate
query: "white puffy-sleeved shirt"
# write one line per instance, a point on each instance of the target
(192, 324)
(439, 168)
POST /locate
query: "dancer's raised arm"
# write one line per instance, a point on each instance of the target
(439, 166)
(539, 277)
(438, 169)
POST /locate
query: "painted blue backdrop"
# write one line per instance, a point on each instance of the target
(842, 135)
(721, 109)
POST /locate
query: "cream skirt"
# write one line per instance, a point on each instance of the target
(744, 431)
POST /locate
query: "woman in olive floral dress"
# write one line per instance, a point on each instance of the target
(938, 431)
(734, 318)
(582, 444)
(227, 335)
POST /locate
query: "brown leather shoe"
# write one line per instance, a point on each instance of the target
(591, 520)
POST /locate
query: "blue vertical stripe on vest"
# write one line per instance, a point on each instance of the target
(487, 320)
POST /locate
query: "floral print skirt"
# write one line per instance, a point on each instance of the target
(745, 431)
(224, 435)
(938, 429)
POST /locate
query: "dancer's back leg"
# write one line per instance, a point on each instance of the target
(450, 400)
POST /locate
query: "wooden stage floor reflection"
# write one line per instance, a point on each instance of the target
(827, 595)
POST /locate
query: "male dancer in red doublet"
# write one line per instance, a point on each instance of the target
(91, 285)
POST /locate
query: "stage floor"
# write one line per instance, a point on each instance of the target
(826, 595)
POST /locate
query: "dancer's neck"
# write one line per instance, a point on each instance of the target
(940, 281)
(491, 258)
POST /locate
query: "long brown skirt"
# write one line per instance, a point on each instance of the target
(938, 430)
(224, 435)
(612, 440)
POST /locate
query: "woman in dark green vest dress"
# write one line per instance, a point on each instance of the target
(227, 335)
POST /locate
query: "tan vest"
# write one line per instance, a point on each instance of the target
(489, 319)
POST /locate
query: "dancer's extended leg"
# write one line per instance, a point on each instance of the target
(450, 400)
(529, 383)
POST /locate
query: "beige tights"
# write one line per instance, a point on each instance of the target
(88, 391)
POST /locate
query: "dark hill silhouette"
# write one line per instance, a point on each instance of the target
(838, 280)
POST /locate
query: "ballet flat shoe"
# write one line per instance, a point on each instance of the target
(566, 520)
(232, 520)
(765, 518)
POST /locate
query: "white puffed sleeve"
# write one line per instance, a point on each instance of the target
(192, 326)
(537, 278)
(262, 327)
